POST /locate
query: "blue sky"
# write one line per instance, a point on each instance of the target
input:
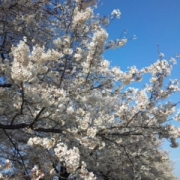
(153, 22)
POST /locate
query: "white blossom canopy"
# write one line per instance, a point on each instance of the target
(64, 112)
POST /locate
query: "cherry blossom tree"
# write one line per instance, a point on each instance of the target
(65, 113)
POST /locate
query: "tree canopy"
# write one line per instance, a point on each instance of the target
(65, 113)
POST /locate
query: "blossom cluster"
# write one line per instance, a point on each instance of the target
(116, 13)
(44, 142)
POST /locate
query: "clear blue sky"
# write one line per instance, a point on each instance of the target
(153, 22)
